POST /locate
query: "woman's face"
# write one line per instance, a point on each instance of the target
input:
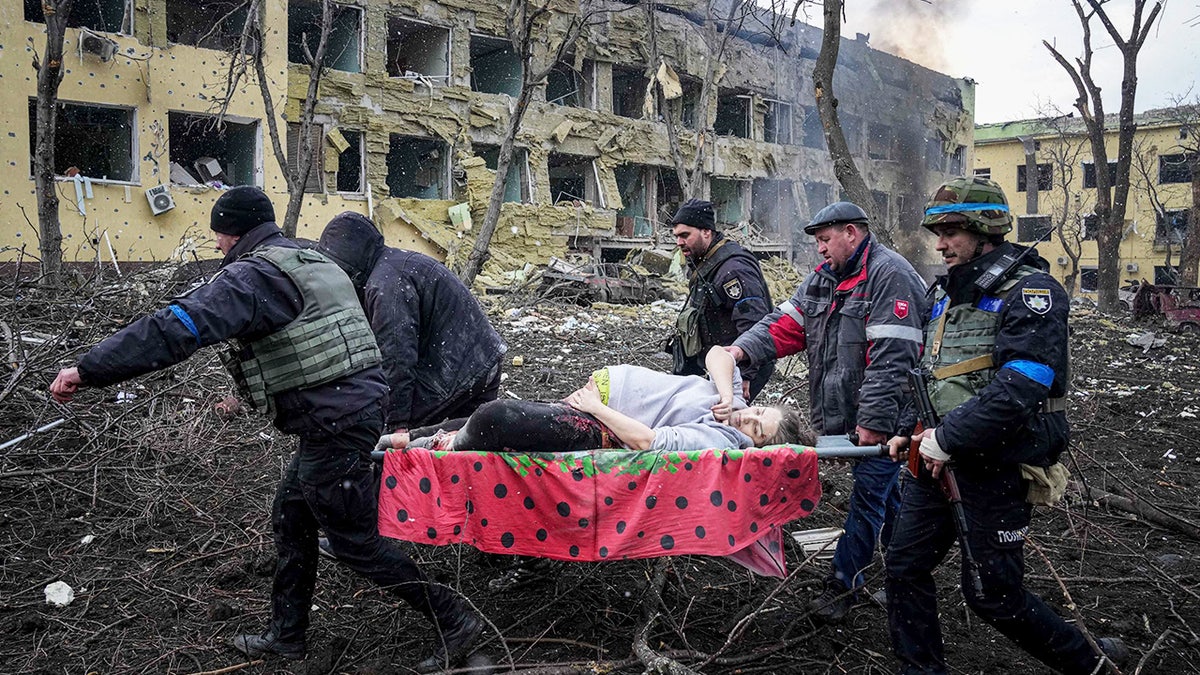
(759, 423)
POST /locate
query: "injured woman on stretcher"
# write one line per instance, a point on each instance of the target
(622, 406)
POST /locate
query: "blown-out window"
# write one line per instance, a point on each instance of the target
(91, 140)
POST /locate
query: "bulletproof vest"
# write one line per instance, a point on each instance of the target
(689, 324)
(959, 342)
(328, 340)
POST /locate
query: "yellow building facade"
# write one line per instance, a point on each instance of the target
(1160, 196)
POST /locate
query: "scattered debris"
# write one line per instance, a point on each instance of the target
(59, 594)
(1147, 340)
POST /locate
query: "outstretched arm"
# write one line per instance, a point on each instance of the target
(719, 364)
(633, 434)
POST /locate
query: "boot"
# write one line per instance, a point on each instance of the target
(459, 629)
(1114, 649)
(832, 605)
(254, 646)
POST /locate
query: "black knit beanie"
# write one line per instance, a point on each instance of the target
(697, 213)
(240, 210)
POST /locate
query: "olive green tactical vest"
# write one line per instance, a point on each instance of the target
(959, 345)
(329, 339)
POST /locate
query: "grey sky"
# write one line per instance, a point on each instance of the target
(998, 43)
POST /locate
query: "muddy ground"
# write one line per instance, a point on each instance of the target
(155, 511)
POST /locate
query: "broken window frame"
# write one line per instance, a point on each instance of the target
(500, 45)
(333, 56)
(957, 162)
(247, 125)
(742, 189)
(316, 173)
(1171, 227)
(642, 180)
(812, 131)
(668, 194)
(394, 47)
(785, 209)
(593, 193)
(1165, 275)
(689, 100)
(359, 144)
(65, 143)
(984, 172)
(735, 113)
(583, 95)
(442, 170)
(777, 110)
(1089, 279)
(1089, 173)
(1089, 227)
(1173, 169)
(1034, 227)
(619, 103)
(34, 13)
(881, 141)
(519, 163)
(1045, 177)
(214, 37)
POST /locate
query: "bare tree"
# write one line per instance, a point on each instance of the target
(839, 151)
(717, 29)
(50, 72)
(1112, 192)
(1144, 178)
(1068, 217)
(247, 56)
(527, 24)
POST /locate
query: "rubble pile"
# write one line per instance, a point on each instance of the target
(154, 510)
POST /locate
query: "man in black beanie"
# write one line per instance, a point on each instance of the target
(301, 350)
(726, 294)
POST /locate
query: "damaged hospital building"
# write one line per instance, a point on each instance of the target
(414, 104)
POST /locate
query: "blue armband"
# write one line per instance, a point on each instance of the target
(183, 316)
(1038, 372)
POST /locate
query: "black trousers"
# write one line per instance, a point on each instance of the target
(329, 485)
(998, 518)
(525, 426)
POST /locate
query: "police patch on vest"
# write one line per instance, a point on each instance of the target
(900, 309)
(733, 288)
(1036, 299)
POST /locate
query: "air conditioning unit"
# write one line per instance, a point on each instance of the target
(1131, 267)
(98, 45)
(1062, 260)
(160, 199)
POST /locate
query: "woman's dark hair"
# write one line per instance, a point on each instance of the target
(792, 430)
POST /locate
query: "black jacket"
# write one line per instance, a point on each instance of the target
(1002, 423)
(246, 299)
(435, 339)
(733, 296)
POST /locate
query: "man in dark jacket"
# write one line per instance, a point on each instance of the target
(440, 355)
(302, 351)
(996, 349)
(857, 317)
(726, 295)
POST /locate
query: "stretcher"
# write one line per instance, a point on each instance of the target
(599, 505)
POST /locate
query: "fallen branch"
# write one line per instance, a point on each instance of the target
(230, 669)
(1139, 508)
(1162, 639)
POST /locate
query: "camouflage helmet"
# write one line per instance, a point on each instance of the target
(972, 203)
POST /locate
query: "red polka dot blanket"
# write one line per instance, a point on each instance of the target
(602, 504)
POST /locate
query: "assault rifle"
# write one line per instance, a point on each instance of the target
(918, 380)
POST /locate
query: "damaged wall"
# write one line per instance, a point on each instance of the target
(389, 103)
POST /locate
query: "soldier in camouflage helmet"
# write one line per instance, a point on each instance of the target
(996, 346)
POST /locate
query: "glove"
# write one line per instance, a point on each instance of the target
(931, 449)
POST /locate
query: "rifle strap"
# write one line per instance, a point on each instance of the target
(962, 367)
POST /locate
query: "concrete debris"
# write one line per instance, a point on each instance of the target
(1147, 340)
(59, 594)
